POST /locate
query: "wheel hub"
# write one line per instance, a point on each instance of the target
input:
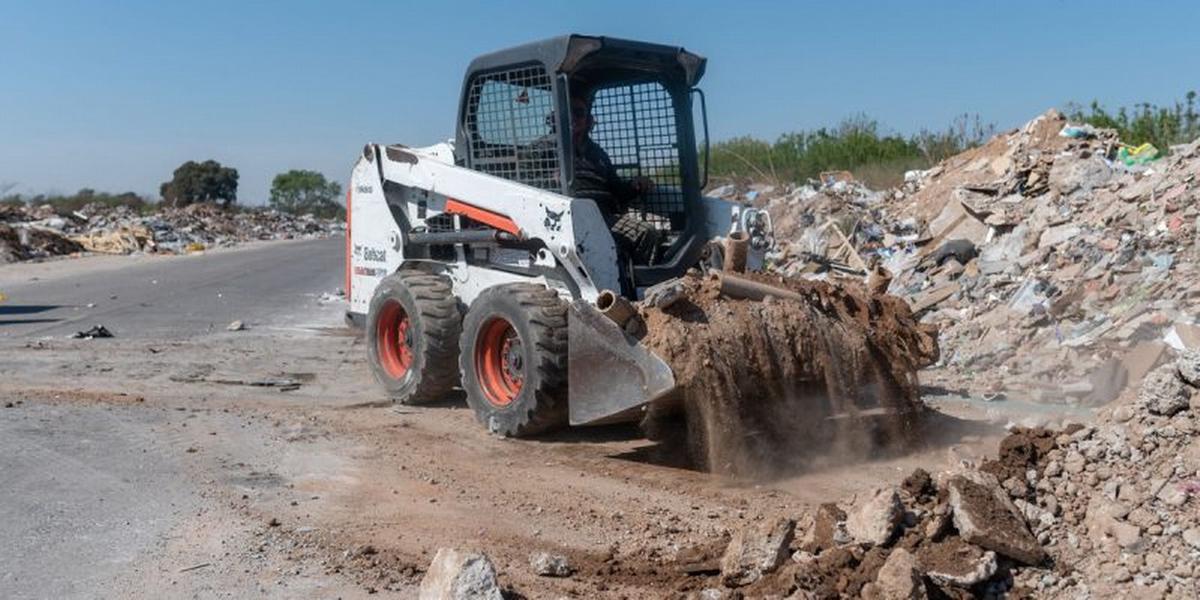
(394, 340)
(499, 362)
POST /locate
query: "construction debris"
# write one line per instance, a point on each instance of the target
(97, 331)
(550, 565)
(1055, 271)
(34, 232)
(1086, 511)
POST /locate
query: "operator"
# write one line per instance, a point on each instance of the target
(597, 179)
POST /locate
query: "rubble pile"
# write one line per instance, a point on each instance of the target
(33, 232)
(1056, 271)
(1104, 511)
(817, 226)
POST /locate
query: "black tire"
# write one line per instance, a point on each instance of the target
(516, 332)
(423, 367)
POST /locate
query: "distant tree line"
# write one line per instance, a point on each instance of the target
(858, 144)
(1142, 123)
(295, 191)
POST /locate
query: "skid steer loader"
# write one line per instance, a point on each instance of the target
(472, 265)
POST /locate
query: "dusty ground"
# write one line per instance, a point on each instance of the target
(151, 465)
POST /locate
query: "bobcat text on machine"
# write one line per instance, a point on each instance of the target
(479, 264)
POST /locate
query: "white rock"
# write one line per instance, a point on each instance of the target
(459, 575)
(876, 519)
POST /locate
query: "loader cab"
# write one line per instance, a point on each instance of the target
(515, 116)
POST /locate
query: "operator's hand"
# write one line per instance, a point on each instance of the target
(643, 185)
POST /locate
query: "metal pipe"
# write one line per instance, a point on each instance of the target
(737, 245)
(740, 288)
(615, 307)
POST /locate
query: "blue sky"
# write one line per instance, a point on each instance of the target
(115, 95)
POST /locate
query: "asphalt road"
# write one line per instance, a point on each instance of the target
(91, 493)
(169, 297)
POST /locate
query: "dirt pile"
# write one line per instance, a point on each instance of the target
(772, 384)
(33, 232)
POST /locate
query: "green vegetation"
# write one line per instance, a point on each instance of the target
(879, 159)
(858, 144)
(1145, 122)
(300, 192)
(201, 182)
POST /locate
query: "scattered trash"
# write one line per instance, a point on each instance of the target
(98, 331)
(1137, 156)
(236, 326)
(1078, 131)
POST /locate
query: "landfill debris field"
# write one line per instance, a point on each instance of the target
(770, 385)
(30, 232)
(982, 383)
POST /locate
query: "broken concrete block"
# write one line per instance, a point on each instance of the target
(984, 516)
(828, 529)
(1188, 365)
(1054, 236)
(550, 565)
(1163, 391)
(1103, 519)
(756, 550)
(899, 578)
(957, 563)
(459, 575)
(875, 520)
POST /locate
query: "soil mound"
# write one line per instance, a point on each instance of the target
(768, 385)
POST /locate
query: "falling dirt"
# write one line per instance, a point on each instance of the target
(769, 385)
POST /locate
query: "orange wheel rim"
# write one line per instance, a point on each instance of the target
(499, 362)
(394, 340)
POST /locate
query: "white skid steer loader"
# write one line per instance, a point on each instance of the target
(480, 264)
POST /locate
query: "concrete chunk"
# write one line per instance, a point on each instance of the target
(1164, 392)
(899, 578)
(756, 550)
(459, 575)
(875, 521)
(984, 516)
(550, 565)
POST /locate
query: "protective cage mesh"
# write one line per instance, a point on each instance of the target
(635, 124)
(510, 118)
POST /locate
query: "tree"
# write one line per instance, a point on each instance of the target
(201, 182)
(300, 192)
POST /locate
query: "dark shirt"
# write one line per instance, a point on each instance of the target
(597, 179)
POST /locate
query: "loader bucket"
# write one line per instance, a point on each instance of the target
(610, 375)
